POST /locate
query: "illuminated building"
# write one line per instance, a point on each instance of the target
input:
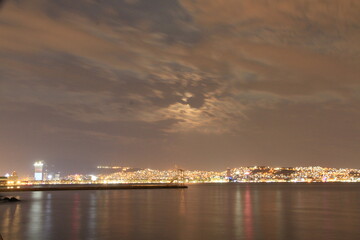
(13, 176)
(57, 176)
(228, 174)
(3, 180)
(38, 176)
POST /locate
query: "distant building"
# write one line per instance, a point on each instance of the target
(13, 176)
(228, 174)
(38, 175)
(45, 175)
(3, 180)
(57, 176)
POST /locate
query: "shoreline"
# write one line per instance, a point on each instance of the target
(91, 187)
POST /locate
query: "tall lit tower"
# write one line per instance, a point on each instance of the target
(38, 171)
(228, 174)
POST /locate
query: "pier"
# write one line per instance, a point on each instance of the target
(89, 187)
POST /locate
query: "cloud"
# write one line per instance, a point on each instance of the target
(185, 62)
(191, 81)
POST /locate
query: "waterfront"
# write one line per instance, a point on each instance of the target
(203, 211)
(78, 187)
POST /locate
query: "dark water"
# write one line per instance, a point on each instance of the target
(208, 211)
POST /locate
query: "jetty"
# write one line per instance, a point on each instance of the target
(67, 187)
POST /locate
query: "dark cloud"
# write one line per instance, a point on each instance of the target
(167, 17)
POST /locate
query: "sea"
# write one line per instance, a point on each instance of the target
(223, 211)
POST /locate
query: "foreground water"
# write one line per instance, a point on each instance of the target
(203, 211)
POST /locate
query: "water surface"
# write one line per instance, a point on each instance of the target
(203, 211)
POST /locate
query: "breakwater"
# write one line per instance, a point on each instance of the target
(89, 187)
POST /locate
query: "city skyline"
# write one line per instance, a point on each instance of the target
(248, 174)
(41, 170)
(201, 84)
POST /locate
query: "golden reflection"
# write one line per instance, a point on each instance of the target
(238, 223)
(92, 214)
(182, 205)
(279, 215)
(6, 219)
(36, 214)
(248, 214)
(48, 213)
(11, 220)
(75, 218)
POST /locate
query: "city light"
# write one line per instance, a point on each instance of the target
(255, 174)
(38, 174)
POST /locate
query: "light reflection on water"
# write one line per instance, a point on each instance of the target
(208, 211)
(36, 215)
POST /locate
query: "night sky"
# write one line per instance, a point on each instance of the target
(204, 84)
